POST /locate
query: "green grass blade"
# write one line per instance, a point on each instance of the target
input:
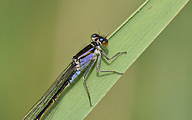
(133, 36)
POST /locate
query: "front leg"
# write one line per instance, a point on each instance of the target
(111, 57)
(98, 62)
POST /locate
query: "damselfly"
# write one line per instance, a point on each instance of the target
(85, 58)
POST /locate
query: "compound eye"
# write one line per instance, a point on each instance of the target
(103, 41)
(94, 37)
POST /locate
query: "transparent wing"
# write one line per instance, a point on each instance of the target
(39, 106)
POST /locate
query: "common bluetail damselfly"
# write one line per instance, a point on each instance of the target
(85, 58)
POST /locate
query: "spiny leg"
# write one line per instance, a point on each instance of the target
(99, 57)
(113, 55)
(98, 62)
(90, 66)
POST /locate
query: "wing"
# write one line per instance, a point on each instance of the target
(39, 106)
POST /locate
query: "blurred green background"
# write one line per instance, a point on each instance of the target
(39, 38)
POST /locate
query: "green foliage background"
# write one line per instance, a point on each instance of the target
(38, 39)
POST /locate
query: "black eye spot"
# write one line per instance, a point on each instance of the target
(94, 35)
(103, 41)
